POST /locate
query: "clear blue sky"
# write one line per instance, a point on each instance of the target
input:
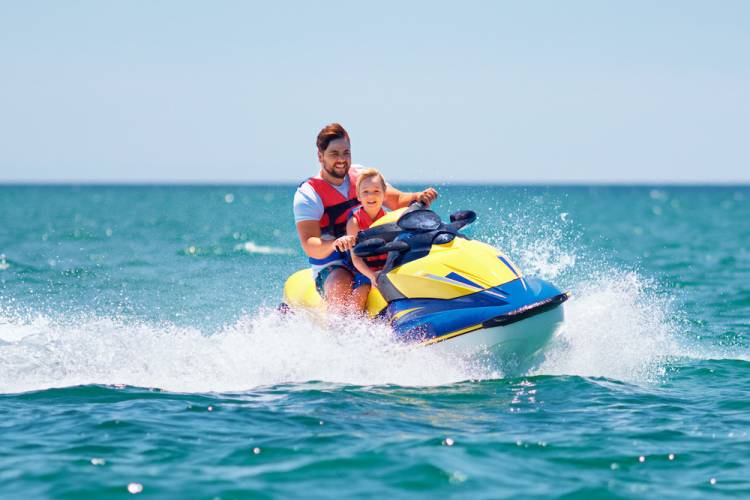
(594, 91)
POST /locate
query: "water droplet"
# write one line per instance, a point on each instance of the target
(135, 488)
(458, 477)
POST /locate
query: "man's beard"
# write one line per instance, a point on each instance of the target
(333, 173)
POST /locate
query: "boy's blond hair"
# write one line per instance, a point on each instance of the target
(366, 174)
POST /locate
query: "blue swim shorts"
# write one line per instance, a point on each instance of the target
(359, 279)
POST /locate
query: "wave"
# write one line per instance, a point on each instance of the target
(246, 247)
(252, 247)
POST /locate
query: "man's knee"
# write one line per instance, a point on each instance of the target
(338, 283)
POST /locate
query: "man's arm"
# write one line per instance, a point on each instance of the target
(309, 237)
(397, 199)
(308, 209)
(316, 247)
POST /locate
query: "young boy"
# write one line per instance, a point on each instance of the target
(371, 193)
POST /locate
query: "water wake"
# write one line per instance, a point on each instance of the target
(617, 326)
(614, 328)
(265, 349)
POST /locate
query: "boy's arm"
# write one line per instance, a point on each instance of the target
(352, 228)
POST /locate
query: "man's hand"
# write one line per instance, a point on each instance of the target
(344, 243)
(427, 196)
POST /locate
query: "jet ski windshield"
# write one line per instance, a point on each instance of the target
(418, 221)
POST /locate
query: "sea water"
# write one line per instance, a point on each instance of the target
(141, 354)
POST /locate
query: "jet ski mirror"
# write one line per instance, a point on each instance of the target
(419, 221)
(463, 218)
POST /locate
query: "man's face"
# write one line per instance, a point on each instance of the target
(337, 158)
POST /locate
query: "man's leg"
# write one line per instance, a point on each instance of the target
(359, 297)
(338, 291)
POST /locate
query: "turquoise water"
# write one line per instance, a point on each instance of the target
(139, 350)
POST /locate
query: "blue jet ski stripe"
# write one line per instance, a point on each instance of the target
(458, 277)
(505, 261)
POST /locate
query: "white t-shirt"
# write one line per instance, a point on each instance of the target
(309, 206)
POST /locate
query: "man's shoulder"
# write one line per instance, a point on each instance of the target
(307, 204)
(306, 194)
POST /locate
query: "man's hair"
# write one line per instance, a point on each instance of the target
(366, 174)
(331, 133)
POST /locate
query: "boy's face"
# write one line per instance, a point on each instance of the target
(371, 193)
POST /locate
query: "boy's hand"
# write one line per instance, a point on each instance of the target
(344, 243)
(374, 278)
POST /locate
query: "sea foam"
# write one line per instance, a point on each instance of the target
(260, 350)
(617, 326)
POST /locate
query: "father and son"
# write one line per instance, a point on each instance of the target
(331, 208)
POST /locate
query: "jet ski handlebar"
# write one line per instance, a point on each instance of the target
(463, 218)
(414, 221)
(377, 246)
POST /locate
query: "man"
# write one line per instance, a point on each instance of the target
(322, 206)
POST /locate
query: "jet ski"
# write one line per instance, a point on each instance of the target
(439, 288)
